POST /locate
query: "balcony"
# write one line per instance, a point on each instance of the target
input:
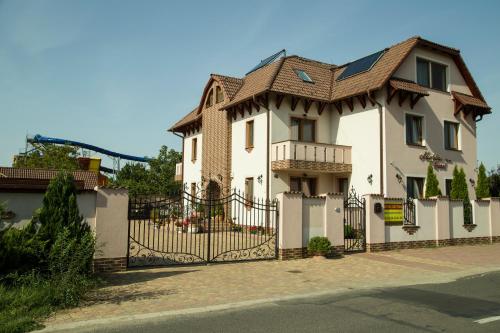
(309, 156)
(178, 172)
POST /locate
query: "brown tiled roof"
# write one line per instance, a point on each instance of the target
(377, 76)
(257, 81)
(87, 179)
(288, 82)
(230, 84)
(280, 77)
(407, 85)
(470, 100)
(190, 117)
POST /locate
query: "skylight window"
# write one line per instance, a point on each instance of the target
(303, 76)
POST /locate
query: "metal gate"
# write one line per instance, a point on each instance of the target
(198, 229)
(354, 223)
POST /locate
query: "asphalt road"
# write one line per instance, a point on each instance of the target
(451, 307)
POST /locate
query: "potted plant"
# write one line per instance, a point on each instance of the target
(319, 247)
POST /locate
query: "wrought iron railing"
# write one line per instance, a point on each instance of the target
(409, 212)
(468, 219)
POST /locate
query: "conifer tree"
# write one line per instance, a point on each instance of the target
(431, 183)
(483, 185)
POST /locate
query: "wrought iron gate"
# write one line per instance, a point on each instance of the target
(354, 223)
(198, 229)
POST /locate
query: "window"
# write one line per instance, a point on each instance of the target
(249, 135)
(343, 185)
(431, 74)
(249, 190)
(303, 130)
(305, 185)
(415, 187)
(414, 132)
(451, 135)
(210, 99)
(219, 97)
(303, 76)
(194, 149)
(448, 187)
(193, 190)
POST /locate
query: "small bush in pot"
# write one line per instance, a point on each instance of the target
(319, 246)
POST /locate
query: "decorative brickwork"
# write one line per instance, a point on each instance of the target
(469, 227)
(106, 265)
(290, 254)
(377, 247)
(301, 252)
(495, 239)
(411, 229)
(298, 165)
(216, 152)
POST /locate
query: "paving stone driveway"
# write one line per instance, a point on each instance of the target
(163, 289)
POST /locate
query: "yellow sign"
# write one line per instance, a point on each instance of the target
(393, 211)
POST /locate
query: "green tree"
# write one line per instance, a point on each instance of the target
(494, 181)
(459, 191)
(60, 211)
(49, 157)
(157, 179)
(482, 186)
(431, 183)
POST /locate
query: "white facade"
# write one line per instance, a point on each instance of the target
(249, 163)
(192, 166)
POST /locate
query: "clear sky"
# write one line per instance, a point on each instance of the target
(117, 74)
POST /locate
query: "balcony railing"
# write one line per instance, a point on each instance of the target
(310, 156)
(178, 172)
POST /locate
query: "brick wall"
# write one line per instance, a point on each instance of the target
(216, 152)
(106, 265)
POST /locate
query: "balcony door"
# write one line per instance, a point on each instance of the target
(305, 185)
(303, 130)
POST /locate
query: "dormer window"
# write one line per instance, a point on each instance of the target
(303, 76)
(219, 97)
(431, 74)
(210, 99)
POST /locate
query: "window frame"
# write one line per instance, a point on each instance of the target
(424, 133)
(429, 69)
(209, 102)
(300, 134)
(446, 180)
(305, 77)
(194, 149)
(218, 93)
(422, 190)
(249, 191)
(445, 137)
(249, 128)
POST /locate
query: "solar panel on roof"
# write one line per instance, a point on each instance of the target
(267, 61)
(361, 65)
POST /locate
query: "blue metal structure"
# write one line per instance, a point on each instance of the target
(44, 140)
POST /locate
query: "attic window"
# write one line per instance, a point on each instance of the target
(303, 76)
(210, 99)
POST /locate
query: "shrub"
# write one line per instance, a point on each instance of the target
(319, 245)
(349, 232)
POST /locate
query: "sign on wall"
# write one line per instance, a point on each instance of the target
(393, 211)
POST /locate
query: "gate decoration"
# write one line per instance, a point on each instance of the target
(201, 228)
(354, 223)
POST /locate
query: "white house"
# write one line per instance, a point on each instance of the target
(374, 124)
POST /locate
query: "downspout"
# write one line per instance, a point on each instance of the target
(254, 98)
(381, 141)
